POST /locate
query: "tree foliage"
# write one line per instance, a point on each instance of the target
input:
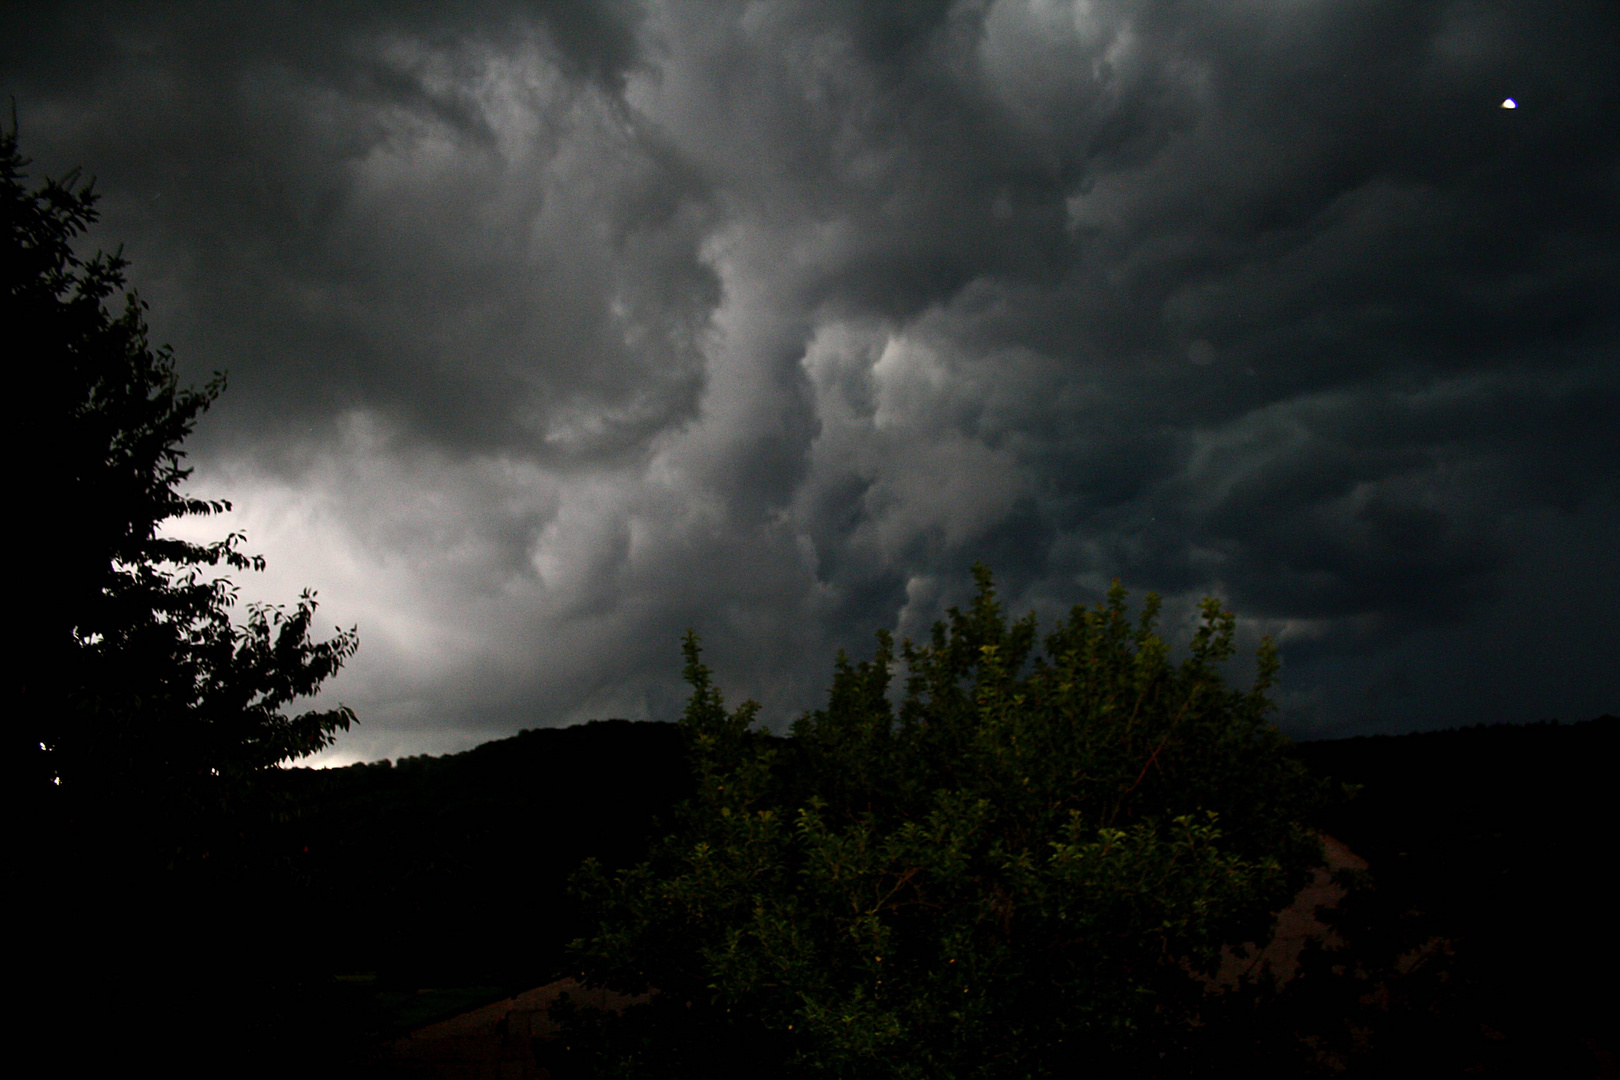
(141, 698)
(1034, 862)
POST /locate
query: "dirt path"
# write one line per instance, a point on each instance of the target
(495, 1042)
(1297, 924)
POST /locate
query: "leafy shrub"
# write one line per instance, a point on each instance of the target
(1033, 863)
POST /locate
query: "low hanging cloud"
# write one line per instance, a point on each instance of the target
(554, 330)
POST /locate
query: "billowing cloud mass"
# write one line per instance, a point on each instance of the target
(555, 329)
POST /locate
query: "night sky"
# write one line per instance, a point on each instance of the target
(555, 329)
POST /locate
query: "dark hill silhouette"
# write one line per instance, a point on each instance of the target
(455, 868)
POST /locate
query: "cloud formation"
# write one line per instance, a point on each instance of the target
(556, 329)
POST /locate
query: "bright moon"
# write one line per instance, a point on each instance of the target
(1510, 104)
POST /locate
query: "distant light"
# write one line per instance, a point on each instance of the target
(1509, 103)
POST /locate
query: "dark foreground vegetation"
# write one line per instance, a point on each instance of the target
(1479, 941)
(378, 897)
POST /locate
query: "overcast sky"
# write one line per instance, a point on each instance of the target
(555, 329)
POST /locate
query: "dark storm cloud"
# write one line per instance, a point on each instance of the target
(425, 216)
(556, 329)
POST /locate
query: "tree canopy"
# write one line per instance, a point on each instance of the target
(1032, 863)
(141, 698)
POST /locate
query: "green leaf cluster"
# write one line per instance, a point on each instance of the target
(1032, 863)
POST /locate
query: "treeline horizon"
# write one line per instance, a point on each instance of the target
(414, 760)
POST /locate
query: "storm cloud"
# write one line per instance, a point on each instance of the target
(555, 329)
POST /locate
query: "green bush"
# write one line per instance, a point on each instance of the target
(1031, 866)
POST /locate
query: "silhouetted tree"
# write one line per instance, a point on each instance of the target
(141, 706)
